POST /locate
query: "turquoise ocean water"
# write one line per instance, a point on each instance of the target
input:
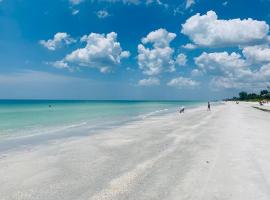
(24, 118)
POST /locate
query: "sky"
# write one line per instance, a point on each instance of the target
(133, 49)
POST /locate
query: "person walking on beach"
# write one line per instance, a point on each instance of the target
(209, 106)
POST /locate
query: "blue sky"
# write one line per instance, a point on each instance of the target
(133, 49)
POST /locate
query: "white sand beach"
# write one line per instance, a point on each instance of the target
(221, 154)
(265, 106)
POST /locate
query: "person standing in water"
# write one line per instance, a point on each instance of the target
(209, 106)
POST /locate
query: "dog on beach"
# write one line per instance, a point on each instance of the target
(182, 110)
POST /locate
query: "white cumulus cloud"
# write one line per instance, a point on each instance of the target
(101, 51)
(153, 61)
(189, 46)
(230, 70)
(60, 65)
(208, 30)
(181, 59)
(221, 82)
(182, 82)
(258, 53)
(160, 38)
(221, 62)
(196, 72)
(58, 40)
(149, 81)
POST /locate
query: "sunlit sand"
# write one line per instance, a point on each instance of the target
(218, 154)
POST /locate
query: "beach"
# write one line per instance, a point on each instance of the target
(218, 154)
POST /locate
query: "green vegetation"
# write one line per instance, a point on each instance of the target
(244, 96)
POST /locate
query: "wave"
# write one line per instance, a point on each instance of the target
(39, 131)
(152, 113)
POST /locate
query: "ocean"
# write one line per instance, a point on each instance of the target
(28, 118)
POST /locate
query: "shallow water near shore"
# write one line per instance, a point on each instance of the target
(24, 118)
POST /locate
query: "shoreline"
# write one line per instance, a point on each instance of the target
(19, 142)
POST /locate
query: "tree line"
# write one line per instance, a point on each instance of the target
(244, 96)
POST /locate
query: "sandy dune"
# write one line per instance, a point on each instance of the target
(222, 154)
